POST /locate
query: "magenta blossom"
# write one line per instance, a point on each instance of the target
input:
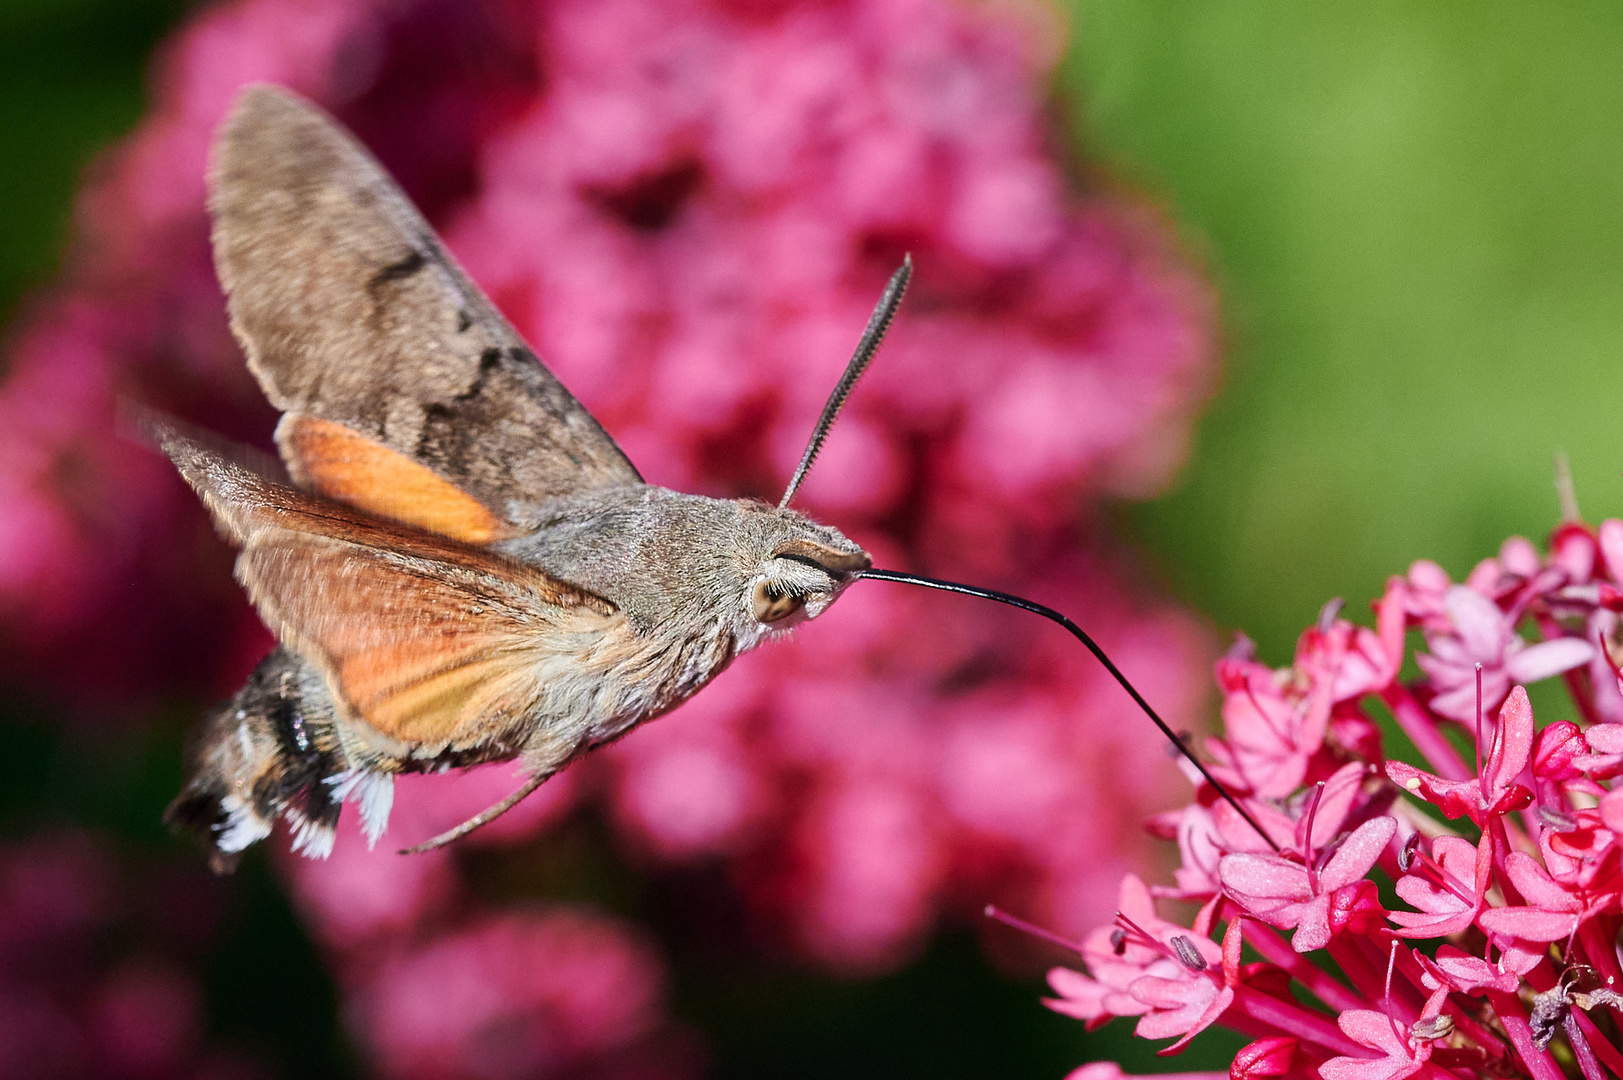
(1320, 903)
(1497, 792)
(1177, 983)
(1403, 1052)
(1523, 885)
(1479, 633)
(1448, 888)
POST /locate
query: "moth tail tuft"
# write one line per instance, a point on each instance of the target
(374, 791)
(267, 753)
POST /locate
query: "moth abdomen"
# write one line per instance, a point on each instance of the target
(270, 752)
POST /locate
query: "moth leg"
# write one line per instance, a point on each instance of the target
(483, 818)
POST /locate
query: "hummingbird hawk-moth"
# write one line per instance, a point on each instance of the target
(460, 565)
(464, 568)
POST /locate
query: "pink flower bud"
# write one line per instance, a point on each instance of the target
(1573, 549)
(1555, 749)
(1356, 907)
(1272, 1056)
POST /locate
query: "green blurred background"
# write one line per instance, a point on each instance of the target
(1414, 214)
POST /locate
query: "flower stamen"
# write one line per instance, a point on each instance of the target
(1041, 933)
(1307, 841)
(1190, 956)
(1482, 778)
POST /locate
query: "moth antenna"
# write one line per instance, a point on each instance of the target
(883, 313)
(1093, 647)
(484, 817)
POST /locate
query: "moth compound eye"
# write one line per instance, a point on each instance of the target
(772, 603)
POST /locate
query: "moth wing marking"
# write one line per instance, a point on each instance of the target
(335, 461)
(350, 310)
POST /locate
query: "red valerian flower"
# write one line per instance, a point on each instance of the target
(519, 995)
(1272, 727)
(1533, 879)
(1176, 981)
(1404, 1053)
(1317, 903)
(1497, 791)
(1480, 634)
(1449, 888)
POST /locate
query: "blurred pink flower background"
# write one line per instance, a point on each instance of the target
(689, 209)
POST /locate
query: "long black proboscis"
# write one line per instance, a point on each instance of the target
(1093, 647)
(878, 323)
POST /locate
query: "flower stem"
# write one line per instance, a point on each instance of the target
(1599, 1044)
(1359, 971)
(1288, 1019)
(1588, 1064)
(1514, 1019)
(1422, 730)
(1320, 983)
(1597, 935)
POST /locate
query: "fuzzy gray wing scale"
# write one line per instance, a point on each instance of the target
(350, 310)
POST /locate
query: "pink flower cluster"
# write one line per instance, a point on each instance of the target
(94, 978)
(1499, 955)
(689, 207)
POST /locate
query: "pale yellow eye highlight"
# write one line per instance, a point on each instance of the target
(773, 604)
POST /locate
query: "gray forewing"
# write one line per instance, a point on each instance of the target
(350, 309)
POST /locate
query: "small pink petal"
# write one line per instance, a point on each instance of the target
(1533, 924)
(1469, 974)
(1520, 556)
(1161, 994)
(1186, 1011)
(1611, 547)
(1427, 577)
(1233, 944)
(1069, 982)
(1453, 797)
(1358, 853)
(1536, 885)
(1346, 1068)
(1313, 928)
(1611, 810)
(1458, 856)
(1372, 1029)
(1515, 735)
(1547, 658)
(1518, 959)
(1604, 738)
(1420, 892)
(1218, 1006)
(1264, 876)
(1430, 926)
(1135, 900)
(1339, 791)
(1478, 621)
(1081, 998)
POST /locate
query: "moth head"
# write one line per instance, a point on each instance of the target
(803, 568)
(809, 566)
